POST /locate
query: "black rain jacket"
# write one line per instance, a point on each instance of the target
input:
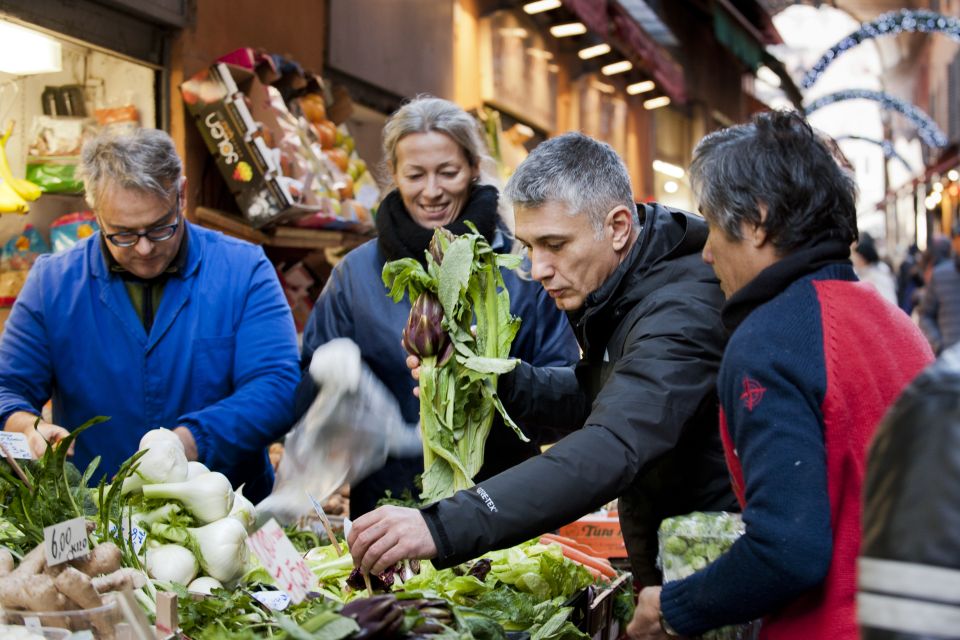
(641, 408)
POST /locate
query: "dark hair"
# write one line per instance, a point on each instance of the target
(867, 248)
(777, 161)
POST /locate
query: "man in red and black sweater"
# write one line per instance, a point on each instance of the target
(814, 360)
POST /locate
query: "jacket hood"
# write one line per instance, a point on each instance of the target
(666, 234)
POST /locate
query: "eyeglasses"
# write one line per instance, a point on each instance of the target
(158, 233)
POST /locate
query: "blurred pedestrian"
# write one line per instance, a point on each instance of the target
(939, 312)
(870, 268)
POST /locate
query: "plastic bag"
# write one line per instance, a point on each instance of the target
(347, 433)
(689, 543)
(71, 228)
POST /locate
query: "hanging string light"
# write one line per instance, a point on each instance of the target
(888, 151)
(892, 23)
(927, 129)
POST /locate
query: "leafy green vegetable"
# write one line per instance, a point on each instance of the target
(56, 492)
(457, 395)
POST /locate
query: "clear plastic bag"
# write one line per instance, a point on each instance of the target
(689, 543)
(347, 433)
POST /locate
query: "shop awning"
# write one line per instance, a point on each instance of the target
(748, 42)
(666, 72)
(615, 24)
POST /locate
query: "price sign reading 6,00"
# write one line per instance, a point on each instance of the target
(65, 541)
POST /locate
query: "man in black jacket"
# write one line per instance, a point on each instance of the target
(641, 405)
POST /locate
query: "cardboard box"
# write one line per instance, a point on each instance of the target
(218, 100)
(600, 533)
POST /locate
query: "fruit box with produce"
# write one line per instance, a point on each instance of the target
(689, 543)
(218, 99)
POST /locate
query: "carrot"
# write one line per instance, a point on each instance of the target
(588, 561)
(570, 542)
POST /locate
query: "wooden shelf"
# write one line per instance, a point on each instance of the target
(285, 237)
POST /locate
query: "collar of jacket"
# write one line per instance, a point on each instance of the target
(184, 264)
(819, 252)
(664, 234)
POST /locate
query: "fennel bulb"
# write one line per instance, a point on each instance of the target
(243, 510)
(163, 462)
(204, 585)
(221, 546)
(208, 497)
(156, 435)
(171, 563)
(195, 469)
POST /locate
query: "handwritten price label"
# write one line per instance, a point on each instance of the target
(275, 551)
(274, 600)
(16, 444)
(65, 541)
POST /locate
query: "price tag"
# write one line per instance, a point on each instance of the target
(273, 600)
(16, 444)
(134, 534)
(65, 541)
(281, 560)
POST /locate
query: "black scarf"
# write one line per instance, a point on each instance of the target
(401, 237)
(772, 281)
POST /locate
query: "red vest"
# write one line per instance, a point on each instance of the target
(870, 358)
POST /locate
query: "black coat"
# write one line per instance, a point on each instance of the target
(645, 396)
(909, 566)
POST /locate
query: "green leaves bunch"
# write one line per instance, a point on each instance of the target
(461, 328)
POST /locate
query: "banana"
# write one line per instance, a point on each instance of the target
(24, 188)
(10, 200)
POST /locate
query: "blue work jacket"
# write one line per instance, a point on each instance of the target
(220, 357)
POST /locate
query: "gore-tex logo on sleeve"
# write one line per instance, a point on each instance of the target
(752, 393)
(487, 500)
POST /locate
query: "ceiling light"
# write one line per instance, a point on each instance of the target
(616, 67)
(541, 54)
(568, 29)
(938, 186)
(594, 51)
(540, 6)
(670, 186)
(668, 169)
(603, 86)
(641, 87)
(766, 74)
(953, 174)
(514, 32)
(656, 103)
(25, 51)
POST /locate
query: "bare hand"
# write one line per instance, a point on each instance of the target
(413, 363)
(45, 435)
(387, 535)
(646, 620)
(189, 444)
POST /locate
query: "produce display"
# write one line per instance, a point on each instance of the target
(166, 525)
(689, 543)
(461, 328)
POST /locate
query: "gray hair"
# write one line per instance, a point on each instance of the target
(142, 161)
(583, 174)
(779, 162)
(424, 114)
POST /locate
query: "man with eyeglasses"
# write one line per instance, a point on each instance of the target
(154, 322)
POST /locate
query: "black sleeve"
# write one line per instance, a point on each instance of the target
(547, 402)
(668, 366)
